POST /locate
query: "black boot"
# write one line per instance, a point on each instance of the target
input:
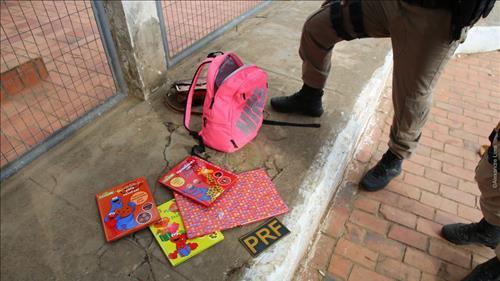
(386, 169)
(481, 233)
(487, 271)
(307, 101)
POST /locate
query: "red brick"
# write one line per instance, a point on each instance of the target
(382, 245)
(478, 259)
(422, 182)
(398, 216)
(425, 161)
(440, 177)
(404, 189)
(457, 195)
(416, 208)
(452, 254)
(11, 82)
(461, 152)
(354, 233)
(362, 274)
(431, 143)
(356, 253)
(40, 67)
(435, 127)
(469, 187)
(413, 168)
(448, 107)
(470, 165)
(398, 270)
(447, 139)
(322, 251)
(422, 261)
(461, 118)
(366, 204)
(336, 221)
(428, 227)
(451, 272)
(463, 135)
(447, 158)
(383, 196)
(447, 122)
(408, 237)
(469, 213)
(458, 172)
(429, 277)
(447, 218)
(439, 202)
(369, 221)
(340, 266)
(477, 115)
(28, 75)
(423, 150)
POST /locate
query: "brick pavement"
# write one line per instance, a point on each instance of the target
(393, 234)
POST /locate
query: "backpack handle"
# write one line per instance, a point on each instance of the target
(189, 101)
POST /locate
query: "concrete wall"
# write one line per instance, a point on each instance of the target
(135, 28)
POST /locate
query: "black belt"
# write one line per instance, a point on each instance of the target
(431, 4)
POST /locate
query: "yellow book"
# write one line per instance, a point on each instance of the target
(170, 233)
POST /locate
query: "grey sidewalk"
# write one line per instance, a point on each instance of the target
(50, 227)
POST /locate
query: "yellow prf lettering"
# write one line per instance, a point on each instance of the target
(275, 227)
(263, 237)
(251, 242)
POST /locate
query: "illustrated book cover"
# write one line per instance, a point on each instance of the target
(199, 180)
(171, 236)
(126, 208)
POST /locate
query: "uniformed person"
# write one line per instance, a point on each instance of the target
(486, 231)
(422, 43)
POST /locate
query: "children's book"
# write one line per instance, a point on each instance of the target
(252, 199)
(126, 208)
(199, 180)
(170, 233)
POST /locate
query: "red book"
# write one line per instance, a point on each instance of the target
(126, 208)
(199, 180)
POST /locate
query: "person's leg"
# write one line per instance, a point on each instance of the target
(421, 41)
(422, 46)
(487, 231)
(316, 45)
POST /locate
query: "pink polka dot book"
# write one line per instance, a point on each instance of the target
(253, 198)
(199, 180)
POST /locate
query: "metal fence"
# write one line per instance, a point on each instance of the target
(191, 24)
(54, 70)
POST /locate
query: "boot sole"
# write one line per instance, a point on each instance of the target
(298, 111)
(460, 243)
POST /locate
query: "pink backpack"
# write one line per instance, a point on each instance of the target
(234, 102)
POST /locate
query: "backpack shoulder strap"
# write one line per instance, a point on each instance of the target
(290, 124)
(189, 101)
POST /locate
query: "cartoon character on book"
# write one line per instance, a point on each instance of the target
(198, 191)
(120, 217)
(165, 230)
(182, 248)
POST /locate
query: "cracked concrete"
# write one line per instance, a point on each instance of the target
(50, 226)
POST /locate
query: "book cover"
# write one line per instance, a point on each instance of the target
(253, 198)
(199, 180)
(126, 208)
(171, 236)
